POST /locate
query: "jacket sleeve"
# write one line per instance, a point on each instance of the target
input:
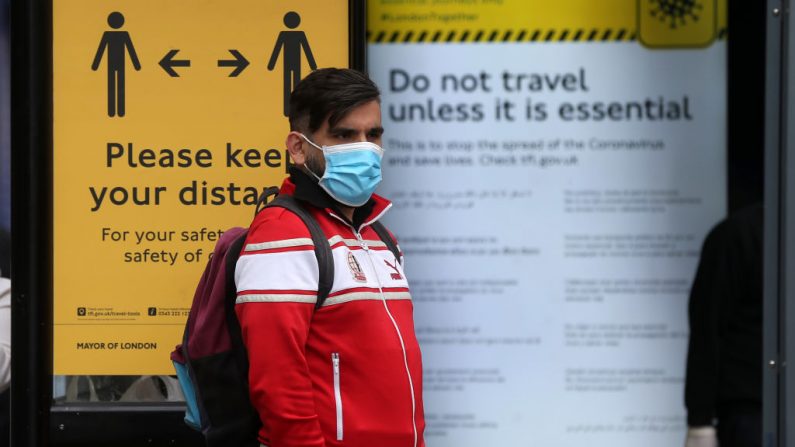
(711, 289)
(5, 334)
(276, 277)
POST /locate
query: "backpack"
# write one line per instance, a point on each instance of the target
(212, 363)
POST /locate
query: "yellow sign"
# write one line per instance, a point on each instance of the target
(169, 120)
(496, 21)
(677, 23)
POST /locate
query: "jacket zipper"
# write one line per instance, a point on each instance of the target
(366, 249)
(335, 362)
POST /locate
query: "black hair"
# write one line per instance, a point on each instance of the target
(329, 92)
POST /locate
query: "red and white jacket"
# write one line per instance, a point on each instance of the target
(348, 373)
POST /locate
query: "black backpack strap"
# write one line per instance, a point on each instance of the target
(264, 198)
(384, 235)
(325, 259)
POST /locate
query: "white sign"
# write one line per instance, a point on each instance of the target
(551, 200)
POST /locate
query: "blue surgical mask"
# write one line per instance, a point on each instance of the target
(353, 171)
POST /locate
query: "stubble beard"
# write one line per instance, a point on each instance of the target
(314, 164)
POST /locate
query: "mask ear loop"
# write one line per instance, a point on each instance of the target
(309, 141)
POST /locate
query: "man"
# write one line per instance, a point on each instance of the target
(724, 373)
(348, 373)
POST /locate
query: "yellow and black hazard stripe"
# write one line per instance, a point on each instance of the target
(502, 36)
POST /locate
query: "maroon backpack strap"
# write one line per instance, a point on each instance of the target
(235, 333)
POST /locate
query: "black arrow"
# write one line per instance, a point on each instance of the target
(240, 63)
(168, 62)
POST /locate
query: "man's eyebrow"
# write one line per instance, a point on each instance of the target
(336, 130)
(339, 130)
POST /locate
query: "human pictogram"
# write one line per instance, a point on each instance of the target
(292, 42)
(117, 44)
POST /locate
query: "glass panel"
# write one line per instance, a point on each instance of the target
(145, 182)
(116, 389)
(5, 141)
(555, 168)
(5, 214)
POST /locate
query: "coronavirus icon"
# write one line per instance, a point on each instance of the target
(676, 12)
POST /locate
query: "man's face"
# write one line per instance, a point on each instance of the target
(363, 123)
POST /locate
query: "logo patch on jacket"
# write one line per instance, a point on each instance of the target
(396, 276)
(356, 269)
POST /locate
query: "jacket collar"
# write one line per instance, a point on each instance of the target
(303, 187)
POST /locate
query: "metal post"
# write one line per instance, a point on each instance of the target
(357, 15)
(787, 241)
(776, 222)
(31, 248)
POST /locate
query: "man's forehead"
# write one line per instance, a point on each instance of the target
(365, 115)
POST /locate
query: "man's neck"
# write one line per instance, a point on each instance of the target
(308, 189)
(347, 212)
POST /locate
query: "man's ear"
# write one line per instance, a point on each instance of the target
(295, 146)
